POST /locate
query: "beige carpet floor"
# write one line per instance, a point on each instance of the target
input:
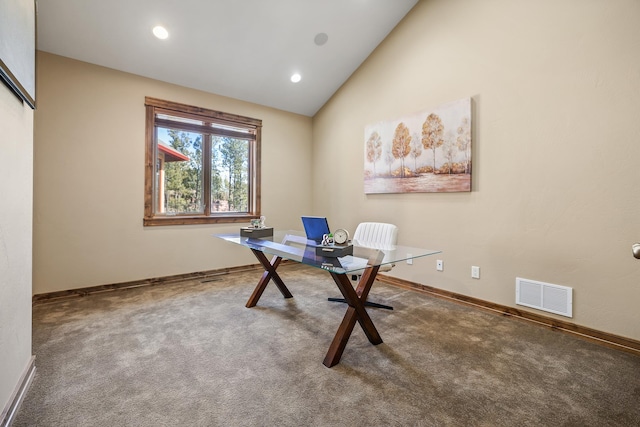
(191, 354)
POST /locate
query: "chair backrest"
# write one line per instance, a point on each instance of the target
(376, 232)
(378, 235)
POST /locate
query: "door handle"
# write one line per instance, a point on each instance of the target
(636, 250)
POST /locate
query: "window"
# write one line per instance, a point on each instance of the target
(202, 166)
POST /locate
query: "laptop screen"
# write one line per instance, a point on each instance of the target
(315, 227)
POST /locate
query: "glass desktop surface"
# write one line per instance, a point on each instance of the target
(293, 245)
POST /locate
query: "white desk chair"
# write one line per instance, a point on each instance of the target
(377, 235)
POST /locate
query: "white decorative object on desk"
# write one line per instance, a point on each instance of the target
(327, 239)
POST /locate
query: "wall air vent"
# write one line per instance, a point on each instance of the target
(545, 296)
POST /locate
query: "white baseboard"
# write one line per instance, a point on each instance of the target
(10, 411)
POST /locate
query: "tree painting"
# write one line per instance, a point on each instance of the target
(449, 150)
(432, 130)
(416, 151)
(401, 146)
(438, 141)
(464, 141)
(374, 149)
(388, 157)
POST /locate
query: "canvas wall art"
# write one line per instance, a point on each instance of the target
(426, 152)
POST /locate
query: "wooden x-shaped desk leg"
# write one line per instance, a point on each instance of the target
(355, 311)
(269, 273)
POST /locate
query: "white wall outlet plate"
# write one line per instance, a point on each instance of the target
(439, 265)
(475, 272)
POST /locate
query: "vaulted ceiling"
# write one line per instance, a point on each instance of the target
(244, 49)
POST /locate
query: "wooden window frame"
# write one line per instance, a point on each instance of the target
(154, 106)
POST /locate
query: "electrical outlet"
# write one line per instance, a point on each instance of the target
(439, 265)
(410, 260)
(475, 272)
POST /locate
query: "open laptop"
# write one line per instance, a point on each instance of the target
(315, 227)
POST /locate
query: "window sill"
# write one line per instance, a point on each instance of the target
(195, 220)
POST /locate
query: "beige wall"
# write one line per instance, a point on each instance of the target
(89, 179)
(556, 133)
(556, 91)
(16, 183)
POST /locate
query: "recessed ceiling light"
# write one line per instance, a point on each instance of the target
(160, 32)
(296, 78)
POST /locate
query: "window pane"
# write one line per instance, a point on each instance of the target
(179, 185)
(179, 119)
(229, 174)
(221, 126)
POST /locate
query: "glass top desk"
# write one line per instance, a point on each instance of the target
(367, 258)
